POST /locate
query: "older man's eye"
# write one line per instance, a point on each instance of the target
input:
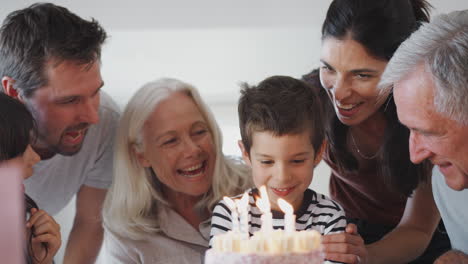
(266, 162)
(169, 141)
(69, 101)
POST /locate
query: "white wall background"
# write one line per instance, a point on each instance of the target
(213, 44)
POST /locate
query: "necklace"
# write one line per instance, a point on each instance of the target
(364, 156)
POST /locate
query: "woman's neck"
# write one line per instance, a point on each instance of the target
(184, 205)
(373, 126)
(365, 140)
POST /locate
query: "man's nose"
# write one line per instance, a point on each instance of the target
(417, 148)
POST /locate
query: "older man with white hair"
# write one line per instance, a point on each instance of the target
(429, 76)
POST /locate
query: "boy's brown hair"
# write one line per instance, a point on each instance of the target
(280, 105)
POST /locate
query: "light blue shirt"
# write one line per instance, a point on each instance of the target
(453, 208)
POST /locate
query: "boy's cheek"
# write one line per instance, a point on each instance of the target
(258, 182)
(259, 179)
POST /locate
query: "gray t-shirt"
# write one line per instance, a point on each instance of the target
(453, 210)
(56, 180)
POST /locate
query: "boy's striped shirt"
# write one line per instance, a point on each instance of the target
(317, 212)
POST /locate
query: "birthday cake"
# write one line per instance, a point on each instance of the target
(273, 247)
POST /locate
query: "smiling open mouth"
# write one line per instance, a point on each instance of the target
(193, 171)
(74, 137)
(347, 107)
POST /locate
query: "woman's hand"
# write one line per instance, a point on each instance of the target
(346, 247)
(46, 235)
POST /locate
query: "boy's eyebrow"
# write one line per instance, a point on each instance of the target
(301, 153)
(294, 155)
(263, 155)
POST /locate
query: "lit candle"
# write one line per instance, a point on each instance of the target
(289, 217)
(235, 217)
(242, 208)
(263, 203)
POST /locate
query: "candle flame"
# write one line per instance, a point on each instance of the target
(285, 206)
(243, 203)
(263, 202)
(230, 203)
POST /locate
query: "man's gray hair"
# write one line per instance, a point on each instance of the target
(442, 47)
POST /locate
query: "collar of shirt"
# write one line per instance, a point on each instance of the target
(175, 226)
(309, 196)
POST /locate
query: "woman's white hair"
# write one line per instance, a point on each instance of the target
(130, 206)
(442, 47)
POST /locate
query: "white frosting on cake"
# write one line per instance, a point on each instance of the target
(231, 242)
(274, 242)
(266, 247)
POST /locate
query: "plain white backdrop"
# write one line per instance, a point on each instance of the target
(213, 44)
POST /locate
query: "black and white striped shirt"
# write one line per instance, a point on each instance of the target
(317, 212)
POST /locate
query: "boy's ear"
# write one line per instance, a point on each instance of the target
(7, 86)
(245, 154)
(319, 153)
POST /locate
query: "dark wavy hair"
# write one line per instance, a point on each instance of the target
(17, 128)
(41, 33)
(380, 27)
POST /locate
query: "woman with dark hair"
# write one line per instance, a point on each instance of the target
(16, 127)
(372, 175)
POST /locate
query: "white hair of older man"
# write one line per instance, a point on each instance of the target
(442, 47)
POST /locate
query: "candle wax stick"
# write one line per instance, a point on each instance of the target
(289, 223)
(243, 221)
(289, 217)
(267, 222)
(242, 208)
(235, 222)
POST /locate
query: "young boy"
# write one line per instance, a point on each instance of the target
(282, 132)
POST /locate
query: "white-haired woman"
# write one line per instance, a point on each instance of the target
(169, 172)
